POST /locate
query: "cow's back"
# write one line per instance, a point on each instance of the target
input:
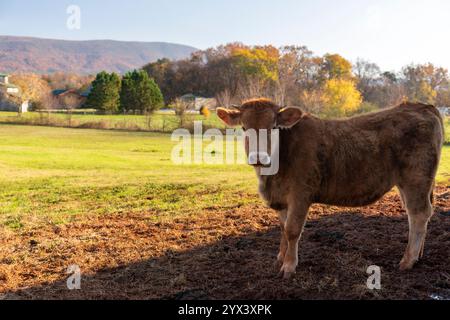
(359, 159)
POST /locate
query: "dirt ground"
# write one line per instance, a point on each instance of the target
(227, 255)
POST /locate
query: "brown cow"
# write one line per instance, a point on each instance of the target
(351, 162)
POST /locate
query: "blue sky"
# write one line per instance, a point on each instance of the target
(391, 33)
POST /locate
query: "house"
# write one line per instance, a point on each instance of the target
(10, 97)
(69, 98)
(6, 86)
(197, 102)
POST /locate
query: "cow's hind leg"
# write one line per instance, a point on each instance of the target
(419, 209)
(402, 198)
(283, 242)
(296, 218)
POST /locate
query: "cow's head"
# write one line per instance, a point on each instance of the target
(260, 117)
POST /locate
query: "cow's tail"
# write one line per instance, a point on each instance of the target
(442, 127)
(441, 119)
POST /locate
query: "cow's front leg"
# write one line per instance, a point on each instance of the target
(296, 218)
(283, 242)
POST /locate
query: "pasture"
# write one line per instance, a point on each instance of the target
(158, 122)
(139, 226)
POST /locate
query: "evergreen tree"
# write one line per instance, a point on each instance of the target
(139, 92)
(105, 93)
(127, 93)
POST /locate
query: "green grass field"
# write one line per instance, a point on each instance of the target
(160, 122)
(54, 174)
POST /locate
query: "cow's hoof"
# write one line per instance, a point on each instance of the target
(286, 272)
(288, 275)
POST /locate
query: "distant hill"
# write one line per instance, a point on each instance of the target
(24, 54)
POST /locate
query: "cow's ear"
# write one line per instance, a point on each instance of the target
(230, 117)
(289, 117)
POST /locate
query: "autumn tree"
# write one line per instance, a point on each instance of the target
(33, 88)
(381, 89)
(443, 96)
(390, 90)
(232, 71)
(335, 66)
(295, 75)
(367, 77)
(176, 78)
(259, 68)
(258, 62)
(422, 82)
(311, 100)
(67, 81)
(222, 73)
(163, 72)
(338, 90)
(340, 98)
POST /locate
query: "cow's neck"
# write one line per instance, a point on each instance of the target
(272, 190)
(271, 187)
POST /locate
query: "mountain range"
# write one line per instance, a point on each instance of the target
(26, 54)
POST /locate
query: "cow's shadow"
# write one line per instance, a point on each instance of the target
(335, 252)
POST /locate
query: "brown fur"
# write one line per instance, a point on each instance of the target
(350, 162)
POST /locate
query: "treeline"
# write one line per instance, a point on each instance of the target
(108, 92)
(134, 91)
(329, 85)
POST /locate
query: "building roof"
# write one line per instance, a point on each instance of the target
(58, 92)
(188, 96)
(4, 75)
(62, 92)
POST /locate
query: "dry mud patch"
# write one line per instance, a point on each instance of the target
(227, 254)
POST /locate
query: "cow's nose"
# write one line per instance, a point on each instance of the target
(253, 158)
(264, 158)
(258, 158)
